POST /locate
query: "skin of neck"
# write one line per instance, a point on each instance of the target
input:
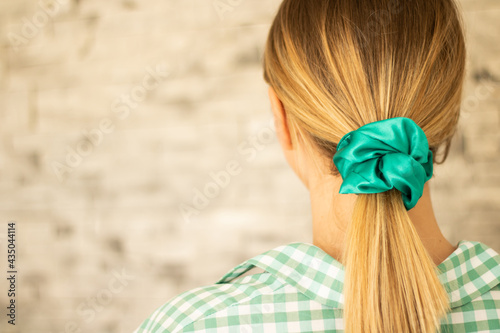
(332, 211)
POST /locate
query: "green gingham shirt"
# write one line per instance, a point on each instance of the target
(300, 290)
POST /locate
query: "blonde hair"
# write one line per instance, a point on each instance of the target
(337, 65)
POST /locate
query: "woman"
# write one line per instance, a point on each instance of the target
(366, 97)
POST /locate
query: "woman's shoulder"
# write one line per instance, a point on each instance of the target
(482, 314)
(471, 276)
(202, 303)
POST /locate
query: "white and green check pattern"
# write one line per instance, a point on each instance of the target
(301, 291)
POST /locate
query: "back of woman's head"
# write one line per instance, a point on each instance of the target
(337, 65)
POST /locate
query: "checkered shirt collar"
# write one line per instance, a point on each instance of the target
(470, 271)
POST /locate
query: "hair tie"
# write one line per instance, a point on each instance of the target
(386, 154)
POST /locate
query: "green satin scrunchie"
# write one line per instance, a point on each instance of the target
(386, 154)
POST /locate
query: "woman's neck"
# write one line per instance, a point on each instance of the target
(331, 214)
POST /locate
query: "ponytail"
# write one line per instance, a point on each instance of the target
(391, 283)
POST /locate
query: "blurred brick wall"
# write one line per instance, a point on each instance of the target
(114, 115)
